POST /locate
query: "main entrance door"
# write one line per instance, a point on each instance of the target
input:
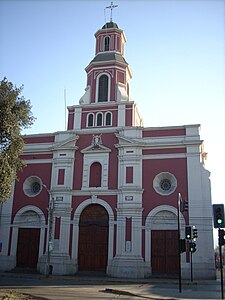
(28, 247)
(93, 239)
(164, 252)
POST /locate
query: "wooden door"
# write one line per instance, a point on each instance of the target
(93, 239)
(28, 247)
(164, 250)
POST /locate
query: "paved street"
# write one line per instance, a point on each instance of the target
(84, 287)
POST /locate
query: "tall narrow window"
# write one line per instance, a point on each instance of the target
(108, 119)
(129, 174)
(99, 119)
(95, 175)
(61, 176)
(103, 88)
(106, 45)
(90, 120)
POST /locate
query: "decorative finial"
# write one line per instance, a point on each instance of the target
(111, 7)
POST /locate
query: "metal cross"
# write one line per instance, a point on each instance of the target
(111, 7)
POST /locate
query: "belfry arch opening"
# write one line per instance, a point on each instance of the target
(103, 87)
(93, 239)
(106, 43)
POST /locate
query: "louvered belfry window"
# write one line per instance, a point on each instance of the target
(103, 88)
(106, 48)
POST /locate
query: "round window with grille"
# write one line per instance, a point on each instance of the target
(165, 183)
(32, 186)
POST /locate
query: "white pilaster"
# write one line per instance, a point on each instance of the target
(200, 214)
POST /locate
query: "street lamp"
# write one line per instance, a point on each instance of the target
(51, 207)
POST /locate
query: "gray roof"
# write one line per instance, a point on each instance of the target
(107, 56)
(110, 25)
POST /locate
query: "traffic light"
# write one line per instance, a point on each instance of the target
(185, 206)
(221, 237)
(195, 233)
(192, 247)
(182, 245)
(188, 232)
(218, 215)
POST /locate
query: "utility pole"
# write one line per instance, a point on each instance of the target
(221, 243)
(179, 243)
(219, 222)
(51, 207)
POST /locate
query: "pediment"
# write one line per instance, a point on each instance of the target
(69, 143)
(96, 146)
(125, 141)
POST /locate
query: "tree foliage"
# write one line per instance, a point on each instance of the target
(15, 115)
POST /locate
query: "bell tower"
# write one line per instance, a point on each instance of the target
(108, 74)
(106, 101)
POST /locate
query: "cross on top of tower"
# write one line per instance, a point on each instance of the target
(112, 6)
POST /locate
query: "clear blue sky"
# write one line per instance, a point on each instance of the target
(175, 50)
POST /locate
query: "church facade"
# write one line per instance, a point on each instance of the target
(103, 195)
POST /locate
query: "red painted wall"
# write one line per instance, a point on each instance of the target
(129, 174)
(121, 77)
(70, 119)
(36, 156)
(163, 132)
(61, 176)
(176, 166)
(129, 115)
(164, 151)
(43, 171)
(38, 139)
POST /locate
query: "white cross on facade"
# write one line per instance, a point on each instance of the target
(111, 7)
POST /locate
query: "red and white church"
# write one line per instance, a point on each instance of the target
(112, 185)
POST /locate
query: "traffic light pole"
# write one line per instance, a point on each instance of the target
(191, 269)
(179, 245)
(221, 263)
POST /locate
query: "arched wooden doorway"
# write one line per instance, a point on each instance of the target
(93, 239)
(28, 247)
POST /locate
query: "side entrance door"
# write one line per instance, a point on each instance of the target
(28, 247)
(93, 239)
(165, 260)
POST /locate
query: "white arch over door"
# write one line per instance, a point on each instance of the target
(164, 212)
(21, 220)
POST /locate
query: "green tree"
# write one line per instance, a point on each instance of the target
(15, 115)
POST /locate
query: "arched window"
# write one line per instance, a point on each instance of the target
(106, 43)
(99, 119)
(90, 121)
(103, 88)
(95, 175)
(108, 119)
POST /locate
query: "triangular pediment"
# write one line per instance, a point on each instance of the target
(96, 146)
(69, 143)
(125, 141)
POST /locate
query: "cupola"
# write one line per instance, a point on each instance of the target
(108, 74)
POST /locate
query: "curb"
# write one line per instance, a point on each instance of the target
(110, 280)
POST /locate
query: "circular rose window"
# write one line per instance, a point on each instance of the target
(165, 183)
(32, 186)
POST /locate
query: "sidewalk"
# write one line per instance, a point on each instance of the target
(149, 288)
